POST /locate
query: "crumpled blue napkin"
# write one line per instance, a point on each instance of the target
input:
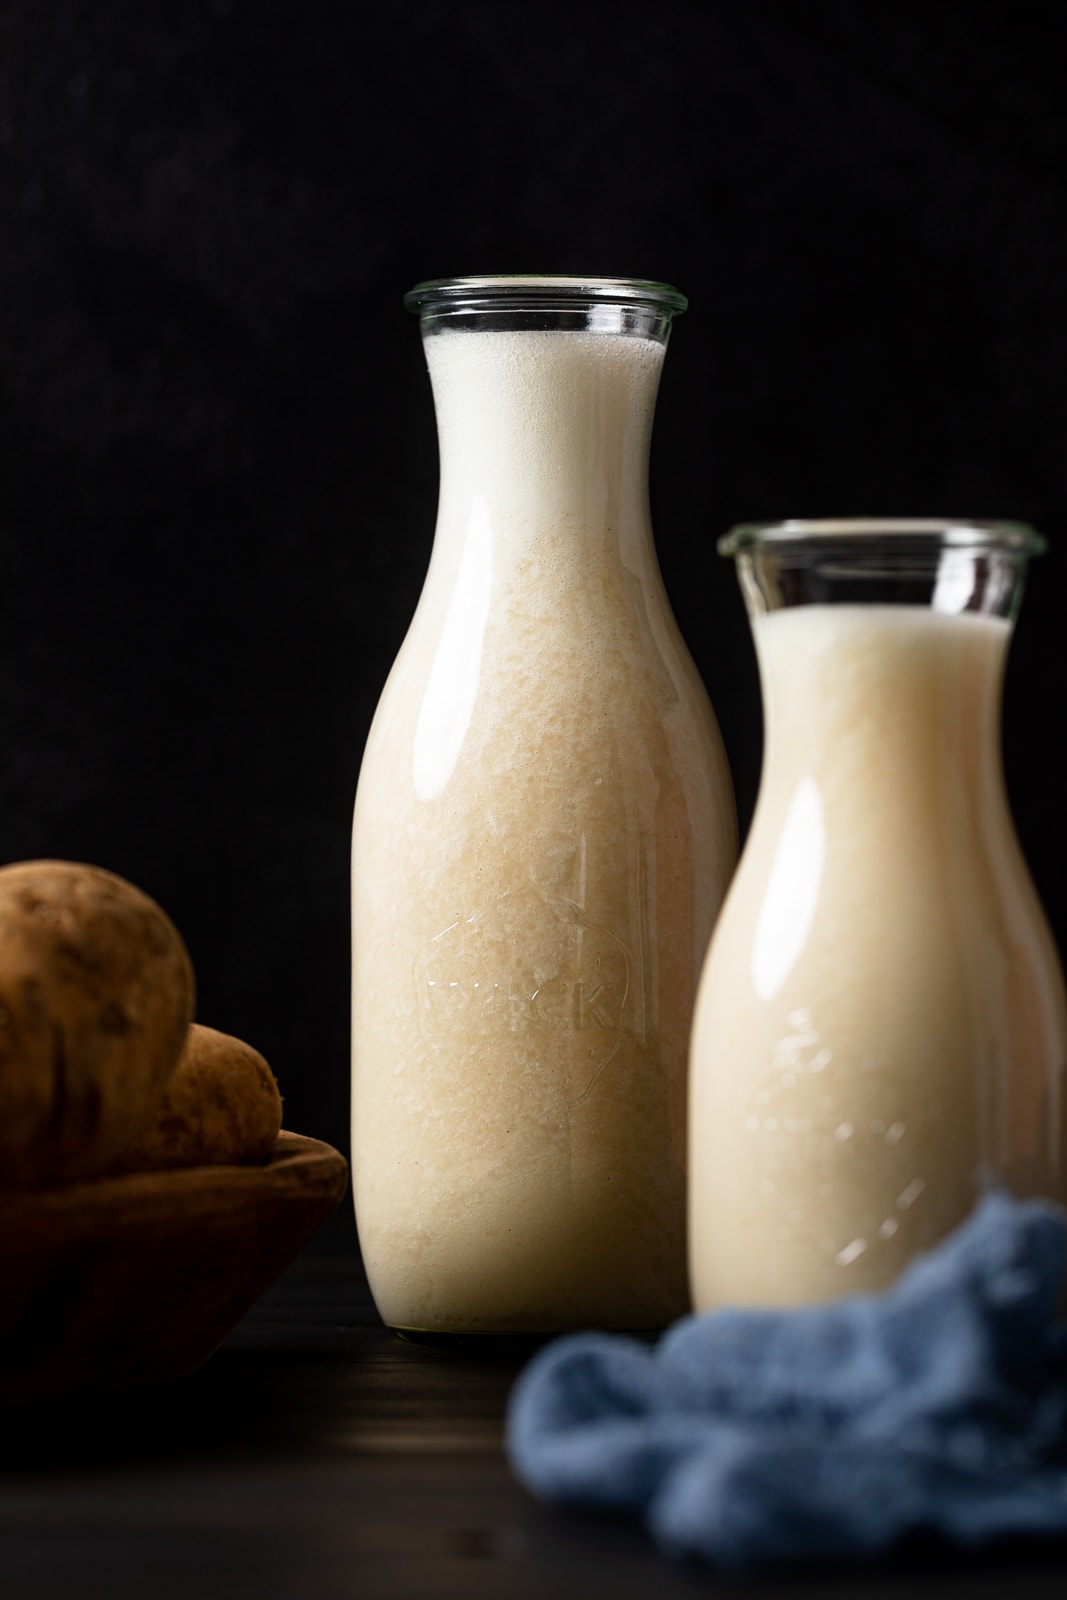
(753, 1437)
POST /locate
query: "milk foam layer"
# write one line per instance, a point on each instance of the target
(544, 830)
(881, 1018)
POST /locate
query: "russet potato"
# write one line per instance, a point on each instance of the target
(96, 1001)
(221, 1107)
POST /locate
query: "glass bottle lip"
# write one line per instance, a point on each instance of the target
(540, 292)
(901, 533)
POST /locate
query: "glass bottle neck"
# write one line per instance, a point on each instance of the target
(895, 702)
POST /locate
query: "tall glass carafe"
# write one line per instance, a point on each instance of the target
(544, 829)
(880, 1027)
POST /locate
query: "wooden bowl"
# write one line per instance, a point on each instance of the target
(135, 1280)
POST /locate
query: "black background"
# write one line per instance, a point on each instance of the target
(216, 433)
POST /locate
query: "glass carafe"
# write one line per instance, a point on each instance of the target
(880, 1027)
(544, 830)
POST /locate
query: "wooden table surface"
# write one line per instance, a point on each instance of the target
(316, 1456)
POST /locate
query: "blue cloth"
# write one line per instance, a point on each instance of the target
(748, 1437)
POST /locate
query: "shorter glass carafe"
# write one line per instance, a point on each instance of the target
(881, 1025)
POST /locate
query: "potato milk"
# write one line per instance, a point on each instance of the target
(881, 1020)
(544, 830)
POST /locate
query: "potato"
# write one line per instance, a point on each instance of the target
(96, 998)
(220, 1108)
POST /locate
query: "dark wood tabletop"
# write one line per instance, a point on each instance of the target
(317, 1455)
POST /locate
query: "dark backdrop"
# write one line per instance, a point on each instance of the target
(216, 433)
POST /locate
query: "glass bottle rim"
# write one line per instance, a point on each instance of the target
(540, 292)
(914, 533)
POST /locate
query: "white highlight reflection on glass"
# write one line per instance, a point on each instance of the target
(957, 580)
(445, 713)
(788, 907)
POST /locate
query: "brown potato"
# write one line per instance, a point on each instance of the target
(96, 998)
(220, 1108)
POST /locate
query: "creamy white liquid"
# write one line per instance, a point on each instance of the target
(881, 1018)
(544, 831)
